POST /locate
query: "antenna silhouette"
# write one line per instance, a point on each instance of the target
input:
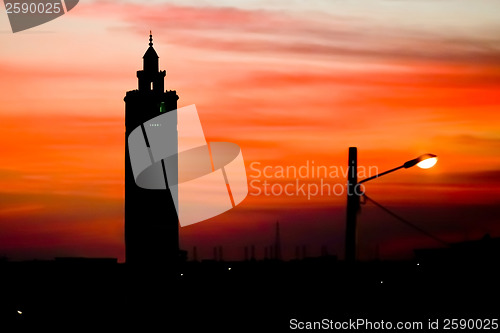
(277, 244)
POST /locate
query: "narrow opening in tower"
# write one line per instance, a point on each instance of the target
(151, 86)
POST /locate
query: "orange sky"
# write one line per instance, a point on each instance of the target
(288, 84)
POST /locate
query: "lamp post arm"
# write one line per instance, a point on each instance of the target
(381, 174)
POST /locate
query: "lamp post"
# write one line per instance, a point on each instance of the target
(353, 194)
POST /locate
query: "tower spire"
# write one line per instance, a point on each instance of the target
(150, 38)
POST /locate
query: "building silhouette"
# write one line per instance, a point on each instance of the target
(485, 251)
(151, 222)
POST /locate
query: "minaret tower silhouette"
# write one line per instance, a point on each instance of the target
(151, 222)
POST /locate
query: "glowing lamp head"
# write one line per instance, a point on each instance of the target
(425, 161)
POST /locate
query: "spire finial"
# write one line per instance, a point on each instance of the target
(150, 38)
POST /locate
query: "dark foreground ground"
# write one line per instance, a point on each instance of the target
(246, 296)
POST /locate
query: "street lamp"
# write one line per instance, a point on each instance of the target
(353, 194)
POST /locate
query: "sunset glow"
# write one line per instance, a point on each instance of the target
(290, 83)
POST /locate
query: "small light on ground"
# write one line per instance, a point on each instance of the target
(418, 264)
(182, 274)
(20, 312)
(381, 281)
(229, 269)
